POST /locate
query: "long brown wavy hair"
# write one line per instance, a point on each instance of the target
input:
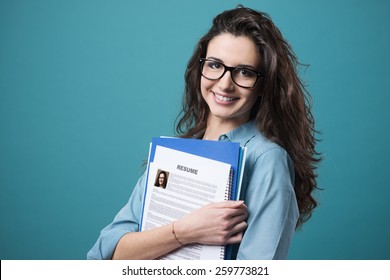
(283, 111)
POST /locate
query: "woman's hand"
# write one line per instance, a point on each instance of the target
(217, 223)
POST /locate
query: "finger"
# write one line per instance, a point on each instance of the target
(230, 213)
(239, 228)
(236, 204)
(237, 234)
(235, 221)
(228, 204)
(235, 238)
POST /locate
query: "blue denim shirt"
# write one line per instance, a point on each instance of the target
(267, 190)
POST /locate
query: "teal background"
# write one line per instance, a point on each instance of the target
(84, 85)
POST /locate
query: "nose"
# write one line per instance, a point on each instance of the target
(226, 83)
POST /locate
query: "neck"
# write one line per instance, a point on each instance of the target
(216, 127)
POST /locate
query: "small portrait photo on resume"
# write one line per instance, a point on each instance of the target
(161, 179)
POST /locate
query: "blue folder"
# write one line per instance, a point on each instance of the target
(227, 152)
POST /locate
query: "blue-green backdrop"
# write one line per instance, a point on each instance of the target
(84, 85)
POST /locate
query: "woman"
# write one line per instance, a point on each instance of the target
(161, 180)
(241, 85)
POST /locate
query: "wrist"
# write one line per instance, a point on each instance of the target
(179, 233)
(175, 234)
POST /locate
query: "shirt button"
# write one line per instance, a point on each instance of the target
(222, 137)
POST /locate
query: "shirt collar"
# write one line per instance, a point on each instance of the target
(242, 134)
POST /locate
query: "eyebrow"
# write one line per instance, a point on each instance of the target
(240, 65)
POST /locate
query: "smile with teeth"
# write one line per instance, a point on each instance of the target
(223, 98)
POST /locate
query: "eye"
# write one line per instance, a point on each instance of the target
(214, 65)
(245, 73)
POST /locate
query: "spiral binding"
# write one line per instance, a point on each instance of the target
(228, 190)
(228, 195)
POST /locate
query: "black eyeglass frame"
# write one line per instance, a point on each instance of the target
(230, 69)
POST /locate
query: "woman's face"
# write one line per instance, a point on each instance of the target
(227, 101)
(161, 179)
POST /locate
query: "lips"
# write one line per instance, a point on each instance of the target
(224, 98)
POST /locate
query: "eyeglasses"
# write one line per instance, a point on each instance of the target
(241, 76)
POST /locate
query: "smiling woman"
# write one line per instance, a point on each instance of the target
(161, 179)
(261, 104)
(230, 98)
